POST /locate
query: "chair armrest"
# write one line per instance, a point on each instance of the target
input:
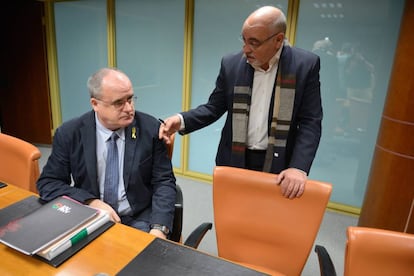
(178, 216)
(197, 235)
(326, 266)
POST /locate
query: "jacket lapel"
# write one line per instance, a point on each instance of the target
(131, 141)
(245, 73)
(88, 140)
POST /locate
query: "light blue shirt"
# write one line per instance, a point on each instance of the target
(102, 136)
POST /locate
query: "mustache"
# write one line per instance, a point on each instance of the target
(247, 56)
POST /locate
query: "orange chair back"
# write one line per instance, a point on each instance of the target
(19, 163)
(258, 227)
(378, 252)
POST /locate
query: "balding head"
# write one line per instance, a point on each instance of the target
(269, 17)
(263, 34)
(104, 76)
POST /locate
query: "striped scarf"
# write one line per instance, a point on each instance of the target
(284, 96)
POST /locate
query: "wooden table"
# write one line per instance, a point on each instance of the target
(108, 254)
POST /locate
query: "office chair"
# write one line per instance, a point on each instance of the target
(195, 237)
(19, 162)
(258, 227)
(371, 251)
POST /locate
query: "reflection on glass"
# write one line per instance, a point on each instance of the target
(355, 69)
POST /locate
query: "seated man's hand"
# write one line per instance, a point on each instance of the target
(292, 182)
(97, 203)
(169, 127)
(157, 233)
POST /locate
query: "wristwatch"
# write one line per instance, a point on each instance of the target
(164, 229)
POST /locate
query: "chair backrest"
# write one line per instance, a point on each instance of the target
(258, 227)
(371, 251)
(19, 163)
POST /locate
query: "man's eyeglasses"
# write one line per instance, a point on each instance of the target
(254, 43)
(120, 104)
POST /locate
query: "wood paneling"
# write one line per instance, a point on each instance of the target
(24, 91)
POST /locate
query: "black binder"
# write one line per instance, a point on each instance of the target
(29, 205)
(162, 257)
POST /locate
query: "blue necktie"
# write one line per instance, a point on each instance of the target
(112, 173)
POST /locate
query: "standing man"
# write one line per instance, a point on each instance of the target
(115, 158)
(271, 93)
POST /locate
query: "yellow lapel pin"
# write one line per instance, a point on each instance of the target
(134, 133)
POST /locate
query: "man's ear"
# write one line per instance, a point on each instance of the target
(280, 37)
(94, 103)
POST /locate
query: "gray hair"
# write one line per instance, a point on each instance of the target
(279, 23)
(95, 81)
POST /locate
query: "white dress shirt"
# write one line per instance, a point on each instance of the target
(262, 91)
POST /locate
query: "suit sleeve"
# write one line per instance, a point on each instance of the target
(55, 179)
(163, 183)
(208, 113)
(309, 118)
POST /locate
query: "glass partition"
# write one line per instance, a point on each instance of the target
(356, 42)
(150, 43)
(81, 40)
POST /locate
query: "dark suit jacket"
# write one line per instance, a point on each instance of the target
(148, 176)
(305, 131)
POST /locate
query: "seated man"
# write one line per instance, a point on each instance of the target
(115, 158)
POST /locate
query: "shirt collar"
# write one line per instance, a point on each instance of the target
(106, 133)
